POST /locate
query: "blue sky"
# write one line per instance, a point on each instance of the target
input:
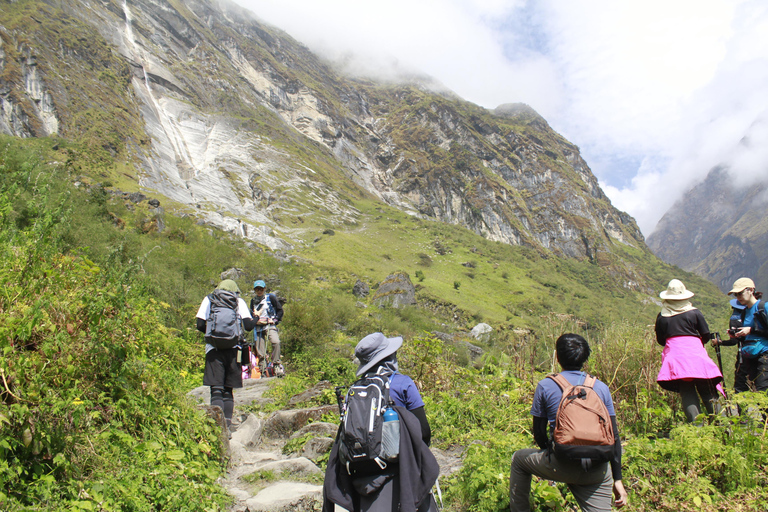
(654, 92)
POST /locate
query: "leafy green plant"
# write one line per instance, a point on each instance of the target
(91, 388)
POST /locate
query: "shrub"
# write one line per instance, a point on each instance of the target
(93, 383)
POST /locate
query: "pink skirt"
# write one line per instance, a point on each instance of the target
(685, 358)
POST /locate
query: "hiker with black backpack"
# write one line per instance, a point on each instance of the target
(583, 449)
(380, 460)
(222, 316)
(686, 368)
(749, 329)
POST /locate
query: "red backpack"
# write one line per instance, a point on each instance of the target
(583, 427)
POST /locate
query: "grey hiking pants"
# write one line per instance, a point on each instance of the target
(592, 489)
(269, 333)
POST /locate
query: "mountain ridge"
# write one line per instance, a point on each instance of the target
(379, 134)
(243, 128)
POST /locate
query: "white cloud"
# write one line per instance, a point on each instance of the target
(655, 93)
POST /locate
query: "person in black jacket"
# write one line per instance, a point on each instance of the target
(405, 486)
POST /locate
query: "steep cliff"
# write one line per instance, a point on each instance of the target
(239, 121)
(717, 230)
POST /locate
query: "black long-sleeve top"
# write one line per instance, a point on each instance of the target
(690, 323)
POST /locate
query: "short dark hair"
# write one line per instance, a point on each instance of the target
(572, 351)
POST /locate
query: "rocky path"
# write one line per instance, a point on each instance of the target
(260, 477)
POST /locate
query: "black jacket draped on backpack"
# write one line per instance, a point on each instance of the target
(418, 470)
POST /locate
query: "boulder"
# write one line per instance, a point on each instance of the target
(361, 289)
(287, 496)
(234, 274)
(316, 447)
(396, 291)
(309, 394)
(474, 351)
(136, 197)
(248, 432)
(319, 429)
(282, 424)
(482, 332)
(300, 465)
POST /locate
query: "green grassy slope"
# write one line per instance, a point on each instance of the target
(98, 348)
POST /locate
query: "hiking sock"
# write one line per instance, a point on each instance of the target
(217, 398)
(228, 405)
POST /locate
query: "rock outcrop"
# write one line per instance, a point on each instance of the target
(395, 291)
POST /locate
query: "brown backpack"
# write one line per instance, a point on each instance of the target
(583, 427)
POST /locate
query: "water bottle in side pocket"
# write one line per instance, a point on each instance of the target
(390, 435)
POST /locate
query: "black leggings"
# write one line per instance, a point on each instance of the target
(689, 394)
(223, 398)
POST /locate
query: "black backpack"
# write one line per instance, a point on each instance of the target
(360, 434)
(223, 327)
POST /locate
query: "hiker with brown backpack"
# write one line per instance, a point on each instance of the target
(583, 448)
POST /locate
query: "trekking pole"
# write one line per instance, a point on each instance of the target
(339, 400)
(720, 364)
(720, 361)
(439, 495)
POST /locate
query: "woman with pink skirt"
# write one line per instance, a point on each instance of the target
(686, 368)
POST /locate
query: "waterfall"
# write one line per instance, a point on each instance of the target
(170, 128)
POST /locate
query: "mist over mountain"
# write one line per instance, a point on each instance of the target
(242, 127)
(718, 228)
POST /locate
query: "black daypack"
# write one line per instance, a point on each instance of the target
(223, 327)
(360, 435)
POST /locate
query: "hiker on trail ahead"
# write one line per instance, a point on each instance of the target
(377, 483)
(751, 336)
(591, 480)
(686, 368)
(268, 311)
(222, 317)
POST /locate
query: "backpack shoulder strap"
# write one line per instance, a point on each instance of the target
(761, 315)
(589, 381)
(560, 381)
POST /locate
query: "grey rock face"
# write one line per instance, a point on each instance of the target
(717, 230)
(395, 291)
(361, 289)
(199, 87)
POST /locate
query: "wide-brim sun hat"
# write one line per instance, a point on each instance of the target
(228, 285)
(676, 291)
(741, 284)
(373, 348)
